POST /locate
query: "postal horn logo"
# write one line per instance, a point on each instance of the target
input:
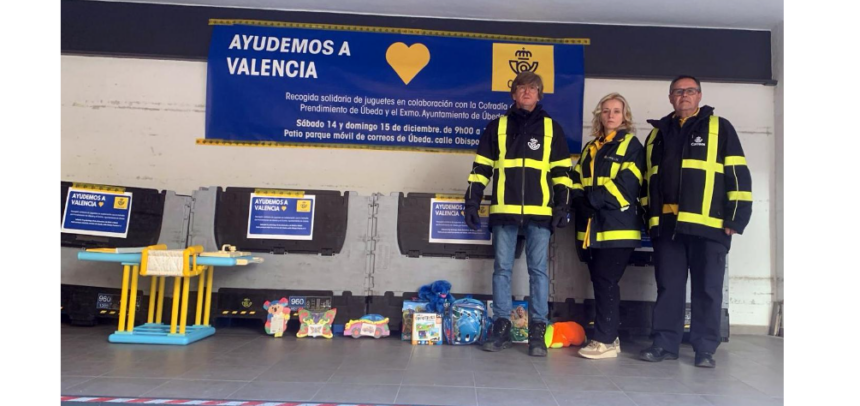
(521, 62)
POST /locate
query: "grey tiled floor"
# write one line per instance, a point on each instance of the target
(245, 364)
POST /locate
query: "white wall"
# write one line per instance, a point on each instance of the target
(779, 73)
(134, 122)
(777, 47)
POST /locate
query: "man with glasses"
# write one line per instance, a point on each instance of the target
(697, 193)
(525, 153)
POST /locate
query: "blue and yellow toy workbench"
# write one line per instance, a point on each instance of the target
(159, 263)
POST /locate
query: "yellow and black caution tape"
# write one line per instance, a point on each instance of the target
(440, 196)
(406, 31)
(272, 144)
(279, 192)
(98, 188)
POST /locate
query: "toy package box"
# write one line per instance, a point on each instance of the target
(519, 320)
(426, 329)
(409, 309)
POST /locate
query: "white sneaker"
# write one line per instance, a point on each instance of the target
(598, 350)
(617, 345)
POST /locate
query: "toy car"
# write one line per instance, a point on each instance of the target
(372, 325)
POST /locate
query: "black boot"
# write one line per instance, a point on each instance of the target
(537, 341)
(656, 354)
(500, 336)
(705, 360)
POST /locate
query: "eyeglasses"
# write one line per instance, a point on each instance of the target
(523, 88)
(688, 91)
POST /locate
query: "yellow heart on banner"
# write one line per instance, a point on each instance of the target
(407, 61)
(101, 204)
(283, 208)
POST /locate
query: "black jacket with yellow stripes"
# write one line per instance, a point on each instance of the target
(528, 161)
(613, 191)
(715, 183)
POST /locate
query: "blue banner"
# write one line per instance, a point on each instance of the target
(99, 213)
(447, 223)
(279, 217)
(377, 87)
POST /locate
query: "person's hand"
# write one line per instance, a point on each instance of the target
(582, 207)
(559, 216)
(730, 232)
(472, 219)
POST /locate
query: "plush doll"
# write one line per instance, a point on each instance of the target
(564, 334)
(279, 314)
(438, 294)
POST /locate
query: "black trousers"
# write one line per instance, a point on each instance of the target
(607, 265)
(706, 261)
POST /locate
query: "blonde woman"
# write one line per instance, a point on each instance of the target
(606, 183)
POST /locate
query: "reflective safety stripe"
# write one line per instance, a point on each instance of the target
(670, 208)
(619, 235)
(613, 190)
(580, 236)
(735, 160)
(527, 209)
(484, 160)
(529, 163)
(713, 131)
(631, 166)
(649, 169)
(543, 166)
(745, 196)
(700, 219)
(577, 186)
(563, 180)
(653, 221)
(699, 164)
(653, 171)
(547, 143)
(479, 178)
(564, 162)
(503, 150)
(643, 201)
